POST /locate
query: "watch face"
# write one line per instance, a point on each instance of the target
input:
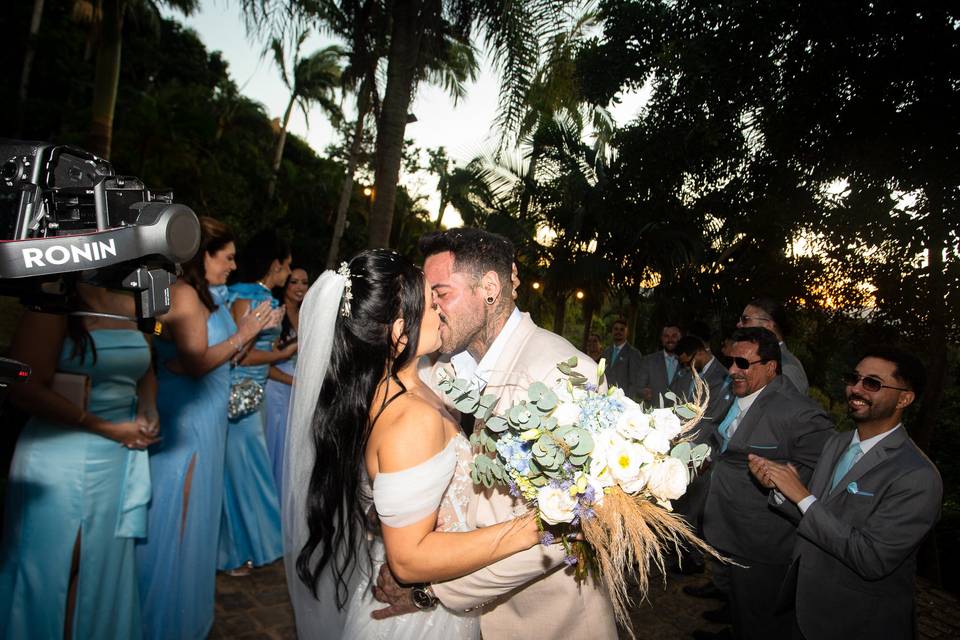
(422, 599)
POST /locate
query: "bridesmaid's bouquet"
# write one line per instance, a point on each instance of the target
(592, 463)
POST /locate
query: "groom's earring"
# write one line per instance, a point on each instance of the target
(490, 299)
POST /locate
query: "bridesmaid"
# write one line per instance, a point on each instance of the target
(277, 397)
(75, 498)
(177, 561)
(250, 527)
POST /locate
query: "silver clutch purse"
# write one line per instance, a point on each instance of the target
(245, 398)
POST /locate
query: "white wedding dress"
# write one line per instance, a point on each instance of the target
(441, 483)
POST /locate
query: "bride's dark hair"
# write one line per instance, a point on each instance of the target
(385, 286)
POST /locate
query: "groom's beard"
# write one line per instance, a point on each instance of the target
(454, 336)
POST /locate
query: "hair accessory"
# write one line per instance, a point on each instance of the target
(344, 270)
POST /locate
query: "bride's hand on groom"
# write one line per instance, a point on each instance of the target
(399, 599)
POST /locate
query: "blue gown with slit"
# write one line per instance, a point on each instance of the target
(178, 560)
(250, 525)
(277, 407)
(69, 485)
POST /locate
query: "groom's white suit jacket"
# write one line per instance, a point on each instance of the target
(530, 594)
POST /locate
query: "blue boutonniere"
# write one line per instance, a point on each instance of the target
(855, 490)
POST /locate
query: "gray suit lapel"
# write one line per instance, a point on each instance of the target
(879, 453)
(749, 422)
(820, 482)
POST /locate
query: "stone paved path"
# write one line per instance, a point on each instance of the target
(255, 607)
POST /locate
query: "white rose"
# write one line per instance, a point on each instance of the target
(637, 484)
(666, 421)
(634, 424)
(668, 479)
(628, 404)
(625, 460)
(556, 505)
(599, 472)
(567, 413)
(657, 441)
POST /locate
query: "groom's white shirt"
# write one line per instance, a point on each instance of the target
(529, 594)
(479, 372)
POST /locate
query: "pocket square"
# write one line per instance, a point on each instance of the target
(855, 490)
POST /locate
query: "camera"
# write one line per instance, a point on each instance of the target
(65, 211)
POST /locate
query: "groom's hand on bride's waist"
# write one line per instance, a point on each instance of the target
(390, 592)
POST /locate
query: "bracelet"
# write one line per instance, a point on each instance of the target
(236, 347)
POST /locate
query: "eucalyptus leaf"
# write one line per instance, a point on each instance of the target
(670, 395)
(682, 451)
(497, 424)
(684, 412)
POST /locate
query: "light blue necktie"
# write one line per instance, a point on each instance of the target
(615, 352)
(671, 368)
(724, 427)
(846, 461)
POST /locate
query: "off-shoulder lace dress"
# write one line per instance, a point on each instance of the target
(402, 498)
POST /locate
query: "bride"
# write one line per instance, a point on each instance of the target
(375, 465)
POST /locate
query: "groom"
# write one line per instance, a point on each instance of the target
(487, 339)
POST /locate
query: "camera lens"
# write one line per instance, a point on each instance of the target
(10, 171)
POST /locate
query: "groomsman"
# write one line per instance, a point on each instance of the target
(769, 418)
(693, 353)
(623, 361)
(769, 314)
(872, 500)
(659, 368)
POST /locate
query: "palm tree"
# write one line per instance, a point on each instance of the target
(511, 31)
(313, 81)
(106, 77)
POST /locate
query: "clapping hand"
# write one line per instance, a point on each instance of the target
(257, 319)
(782, 477)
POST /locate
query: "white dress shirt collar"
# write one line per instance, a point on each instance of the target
(479, 372)
(870, 443)
(747, 401)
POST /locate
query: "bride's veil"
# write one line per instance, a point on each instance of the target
(316, 617)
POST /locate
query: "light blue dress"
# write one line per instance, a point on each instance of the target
(250, 525)
(177, 561)
(277, 401)
(65, 481)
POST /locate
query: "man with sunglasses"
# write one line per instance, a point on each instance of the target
(772, 419)
(870, 503)
(769, 314)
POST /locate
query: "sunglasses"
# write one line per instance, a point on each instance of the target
(744, 319)
(742, 363)
(868, 382)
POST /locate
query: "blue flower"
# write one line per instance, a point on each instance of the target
(546, 538)
(853, 488)
(570, 560)
(515, 454)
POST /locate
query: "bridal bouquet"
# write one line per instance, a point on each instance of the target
(592, 463)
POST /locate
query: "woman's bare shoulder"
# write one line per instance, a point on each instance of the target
(409, 431)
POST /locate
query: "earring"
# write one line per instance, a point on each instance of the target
(490, 299)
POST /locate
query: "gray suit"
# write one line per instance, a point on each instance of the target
(653, 374)
(856, 554)
(625, 372)
(781, 425)
(793, 369)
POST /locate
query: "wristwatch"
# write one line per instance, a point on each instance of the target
(423, 597)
